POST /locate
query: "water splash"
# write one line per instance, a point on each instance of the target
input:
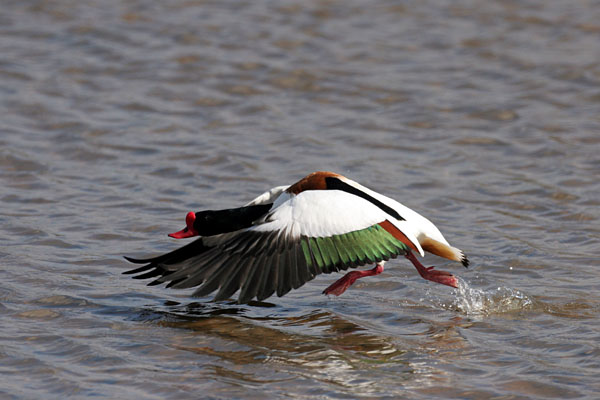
(500, 300)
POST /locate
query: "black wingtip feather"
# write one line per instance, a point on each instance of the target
(137, 270)
(149, 274)
(137, 260)
(172, 283)
(465, 261)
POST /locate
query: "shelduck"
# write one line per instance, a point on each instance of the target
(285, 237)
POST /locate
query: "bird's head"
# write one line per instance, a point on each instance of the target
(201, 223)
(189, 230)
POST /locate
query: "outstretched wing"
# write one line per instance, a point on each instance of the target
(302, 236)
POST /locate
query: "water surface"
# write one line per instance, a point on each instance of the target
(119, 117)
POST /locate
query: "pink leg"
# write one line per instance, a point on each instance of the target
(338, 287)
(443, 277)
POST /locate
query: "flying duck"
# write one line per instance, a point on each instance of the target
(285, 237)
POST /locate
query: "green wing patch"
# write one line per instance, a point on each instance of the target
(366, 246)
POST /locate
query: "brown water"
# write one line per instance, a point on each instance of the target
(119, 117)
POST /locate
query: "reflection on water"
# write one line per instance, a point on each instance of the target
(319, 345)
